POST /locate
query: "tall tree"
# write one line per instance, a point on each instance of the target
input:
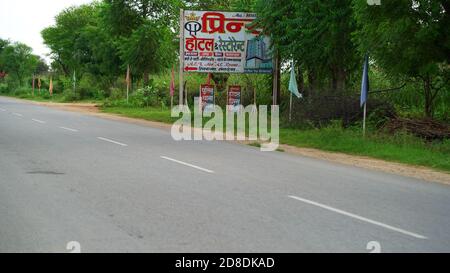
(66, 39)
(80, 42)
(145, 40)
(149, 49)
(18, 61)
(409, 38)
(316, 34)
(3, 44)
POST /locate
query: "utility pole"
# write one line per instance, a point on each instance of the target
(276, 80)
(181, 85)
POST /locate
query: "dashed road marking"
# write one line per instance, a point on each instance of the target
(187, 164)
(112, 141)
(367, 220)
(39, 121)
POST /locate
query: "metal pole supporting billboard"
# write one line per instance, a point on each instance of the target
(181, 84)
(276, 79)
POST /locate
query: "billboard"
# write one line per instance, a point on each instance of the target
(234, 98)
(207, 97)
(224, 42)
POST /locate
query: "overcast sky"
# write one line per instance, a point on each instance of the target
(23, 20)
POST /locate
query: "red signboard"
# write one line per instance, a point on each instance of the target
(207, 98)
(234, 98)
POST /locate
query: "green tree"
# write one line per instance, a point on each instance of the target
(316, 34)
(41, 67)
(408, 39)
(146, 53)
(208, 4)
(3, 44)
(18, 61)
(81, 42)
(69, 45)
(144, 32)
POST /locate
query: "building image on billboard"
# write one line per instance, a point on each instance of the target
(258, 59)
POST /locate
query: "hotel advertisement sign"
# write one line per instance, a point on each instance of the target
(207, 97)
(224, 42)
(234, 98)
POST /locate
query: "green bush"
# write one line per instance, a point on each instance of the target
(23, 92)
(70, 96)
(148, 96)
(117, 93)
(88, 87)
(4, 88)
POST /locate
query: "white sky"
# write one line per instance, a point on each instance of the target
(23, 20)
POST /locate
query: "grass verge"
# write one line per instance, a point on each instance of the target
(400, 148)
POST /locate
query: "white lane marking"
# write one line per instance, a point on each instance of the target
(17, 114)
(112, 141)
(415, 235)
(39, 121)
(68, 129)
(3, 110)
(187, 164)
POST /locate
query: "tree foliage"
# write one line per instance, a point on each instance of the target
(408, 39)
(18, 61)
(143, 33)
(316, 34)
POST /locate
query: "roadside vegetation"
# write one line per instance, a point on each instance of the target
(409, 104)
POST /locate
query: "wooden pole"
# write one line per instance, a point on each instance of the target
(276, 80)
(181, 93)
(33, 84)
(364, 119)
(290, 108)
(128, 83)
(186, 92)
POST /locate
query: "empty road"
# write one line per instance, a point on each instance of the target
(114, 186)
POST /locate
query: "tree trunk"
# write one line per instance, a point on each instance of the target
(276, 75)
(338, 79)
(312, 82)
(300, 79)
(429, 98)
(341, 79)
(146, 78)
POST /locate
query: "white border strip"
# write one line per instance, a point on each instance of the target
(187, 164)
(412, 234)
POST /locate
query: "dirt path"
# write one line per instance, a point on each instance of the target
(418, 172)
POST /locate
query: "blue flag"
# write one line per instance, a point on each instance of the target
(365, 82)
(293, 87)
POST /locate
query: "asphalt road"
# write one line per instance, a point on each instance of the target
(119, 187)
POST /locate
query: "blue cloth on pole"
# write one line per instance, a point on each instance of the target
(365, 82)
(293, 87)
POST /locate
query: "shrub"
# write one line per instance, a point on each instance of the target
(89, 88)
(117, 93)
(150, 95)
(4, 88)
